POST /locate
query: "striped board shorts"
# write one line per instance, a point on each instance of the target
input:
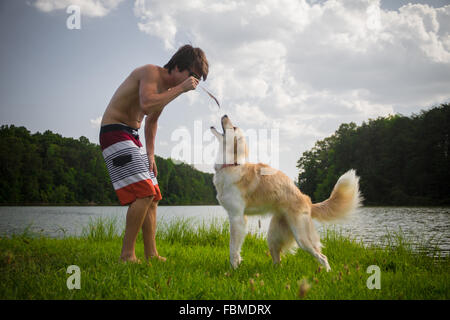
(127, 164)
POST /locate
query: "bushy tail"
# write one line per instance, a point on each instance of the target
(344, 199)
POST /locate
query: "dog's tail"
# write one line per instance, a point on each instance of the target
(344, 200)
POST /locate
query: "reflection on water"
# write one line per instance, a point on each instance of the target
(370, 225)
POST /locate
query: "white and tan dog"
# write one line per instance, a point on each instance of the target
(254, 189)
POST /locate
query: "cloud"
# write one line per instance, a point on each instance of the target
(95, 123)
(309, 66)
(89, 8)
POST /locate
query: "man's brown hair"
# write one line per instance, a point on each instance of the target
(188, 57)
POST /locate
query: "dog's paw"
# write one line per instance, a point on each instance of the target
(235, 262)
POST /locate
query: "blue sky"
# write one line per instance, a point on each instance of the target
(299, 67)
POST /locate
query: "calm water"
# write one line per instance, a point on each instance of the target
(370, 225)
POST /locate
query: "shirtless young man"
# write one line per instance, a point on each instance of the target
(146, 91)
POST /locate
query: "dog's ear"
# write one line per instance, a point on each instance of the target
(239, 134)
(216, 133)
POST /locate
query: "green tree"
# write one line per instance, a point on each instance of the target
(48, 168)
(400, 160)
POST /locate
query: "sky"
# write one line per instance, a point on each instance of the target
(287, 72)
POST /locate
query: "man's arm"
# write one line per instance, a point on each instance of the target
(151, 126)
(152, 101)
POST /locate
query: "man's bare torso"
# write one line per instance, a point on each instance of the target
(124, 106)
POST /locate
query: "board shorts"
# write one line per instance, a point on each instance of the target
(127, 164)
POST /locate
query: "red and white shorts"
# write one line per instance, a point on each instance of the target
(127, 164)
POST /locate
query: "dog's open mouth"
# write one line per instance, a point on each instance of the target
(223, 120)
(221, 123)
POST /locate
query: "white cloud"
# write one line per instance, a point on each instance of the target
(89, 8)
(95, 123)
(310, 66)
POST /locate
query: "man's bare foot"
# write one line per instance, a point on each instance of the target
(158, 257)
(130, 259)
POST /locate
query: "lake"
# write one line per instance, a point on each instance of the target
(370, 224)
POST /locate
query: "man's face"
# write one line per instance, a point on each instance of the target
(195, 74)
(189, 72)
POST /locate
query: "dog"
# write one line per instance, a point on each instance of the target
(254, 189)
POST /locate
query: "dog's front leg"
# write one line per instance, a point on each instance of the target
(238, 230)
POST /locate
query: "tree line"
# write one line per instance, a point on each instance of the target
(46, 168)
(400, 160)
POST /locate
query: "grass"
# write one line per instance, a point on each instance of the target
(197, 267)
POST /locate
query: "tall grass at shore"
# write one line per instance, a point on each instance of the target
(197, 267)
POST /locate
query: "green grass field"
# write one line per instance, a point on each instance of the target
(197, 267)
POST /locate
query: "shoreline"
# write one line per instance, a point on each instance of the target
(180, 205)
(198, 268)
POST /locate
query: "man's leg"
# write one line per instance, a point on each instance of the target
(149, 232)
(135, 218)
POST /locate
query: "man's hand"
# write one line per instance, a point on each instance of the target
(189, 84)
(152, 164)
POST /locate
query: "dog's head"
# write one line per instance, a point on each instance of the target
(233, 147)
